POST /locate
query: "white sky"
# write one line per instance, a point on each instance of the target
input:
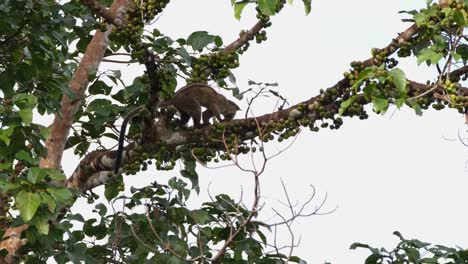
(386, 173)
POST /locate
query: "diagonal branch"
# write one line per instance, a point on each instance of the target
(63, 120)
(101, 10)
(242, 40)
(89, 65)
(94, 170)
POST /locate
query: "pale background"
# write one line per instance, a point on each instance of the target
(387, 173)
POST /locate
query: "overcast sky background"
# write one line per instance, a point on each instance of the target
(387, 173)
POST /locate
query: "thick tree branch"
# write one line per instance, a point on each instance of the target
(89, 65)
(63, 120)
(101, 10)
(95, 169)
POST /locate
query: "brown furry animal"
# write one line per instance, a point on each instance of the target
(189, 99)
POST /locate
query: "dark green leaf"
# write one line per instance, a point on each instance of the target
(41, 222)
(47, 199)
(200, 39)
(463, 51)
(199, 216)
(218, 41)
(307, 6)
(372, 259)
(101, 209)
(36, 175)
(99, 87)
(358, 245)
(26, 157)
(415, 106)
(61, 194)
(111, 190)
(55, 175)
(412, 254)
(6, 185)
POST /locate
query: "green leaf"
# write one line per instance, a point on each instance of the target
(199, 216)
(412, 254)
(430, 56)
(400, 102)
(61, 194)
(7, 186)
(365, 74)
(463, 51)
(267, 7)
(111, 190)
(415, 106)
(23, 100)
(41, 222)
(68, 91)
(99, 231)
(27, 203)
(55, 175)
(344, 105)
(440, 42)
(47, 199)
(36, 175)
(307, 6)
(262, 237)
(372, 259)
(460, 17)
(358, 245)
(399, 79)
(44, 131)
(190, 173)
(99, 87)
(101, 209)
(420, 19)
(297, 259)
(380, 104)
(218, 41)
(399, 235)
(238, 8)
(455, 56)
(26, 115)
(24, 155)
(5, 135)
(185, 55)
(59, 38)
(200, 39)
